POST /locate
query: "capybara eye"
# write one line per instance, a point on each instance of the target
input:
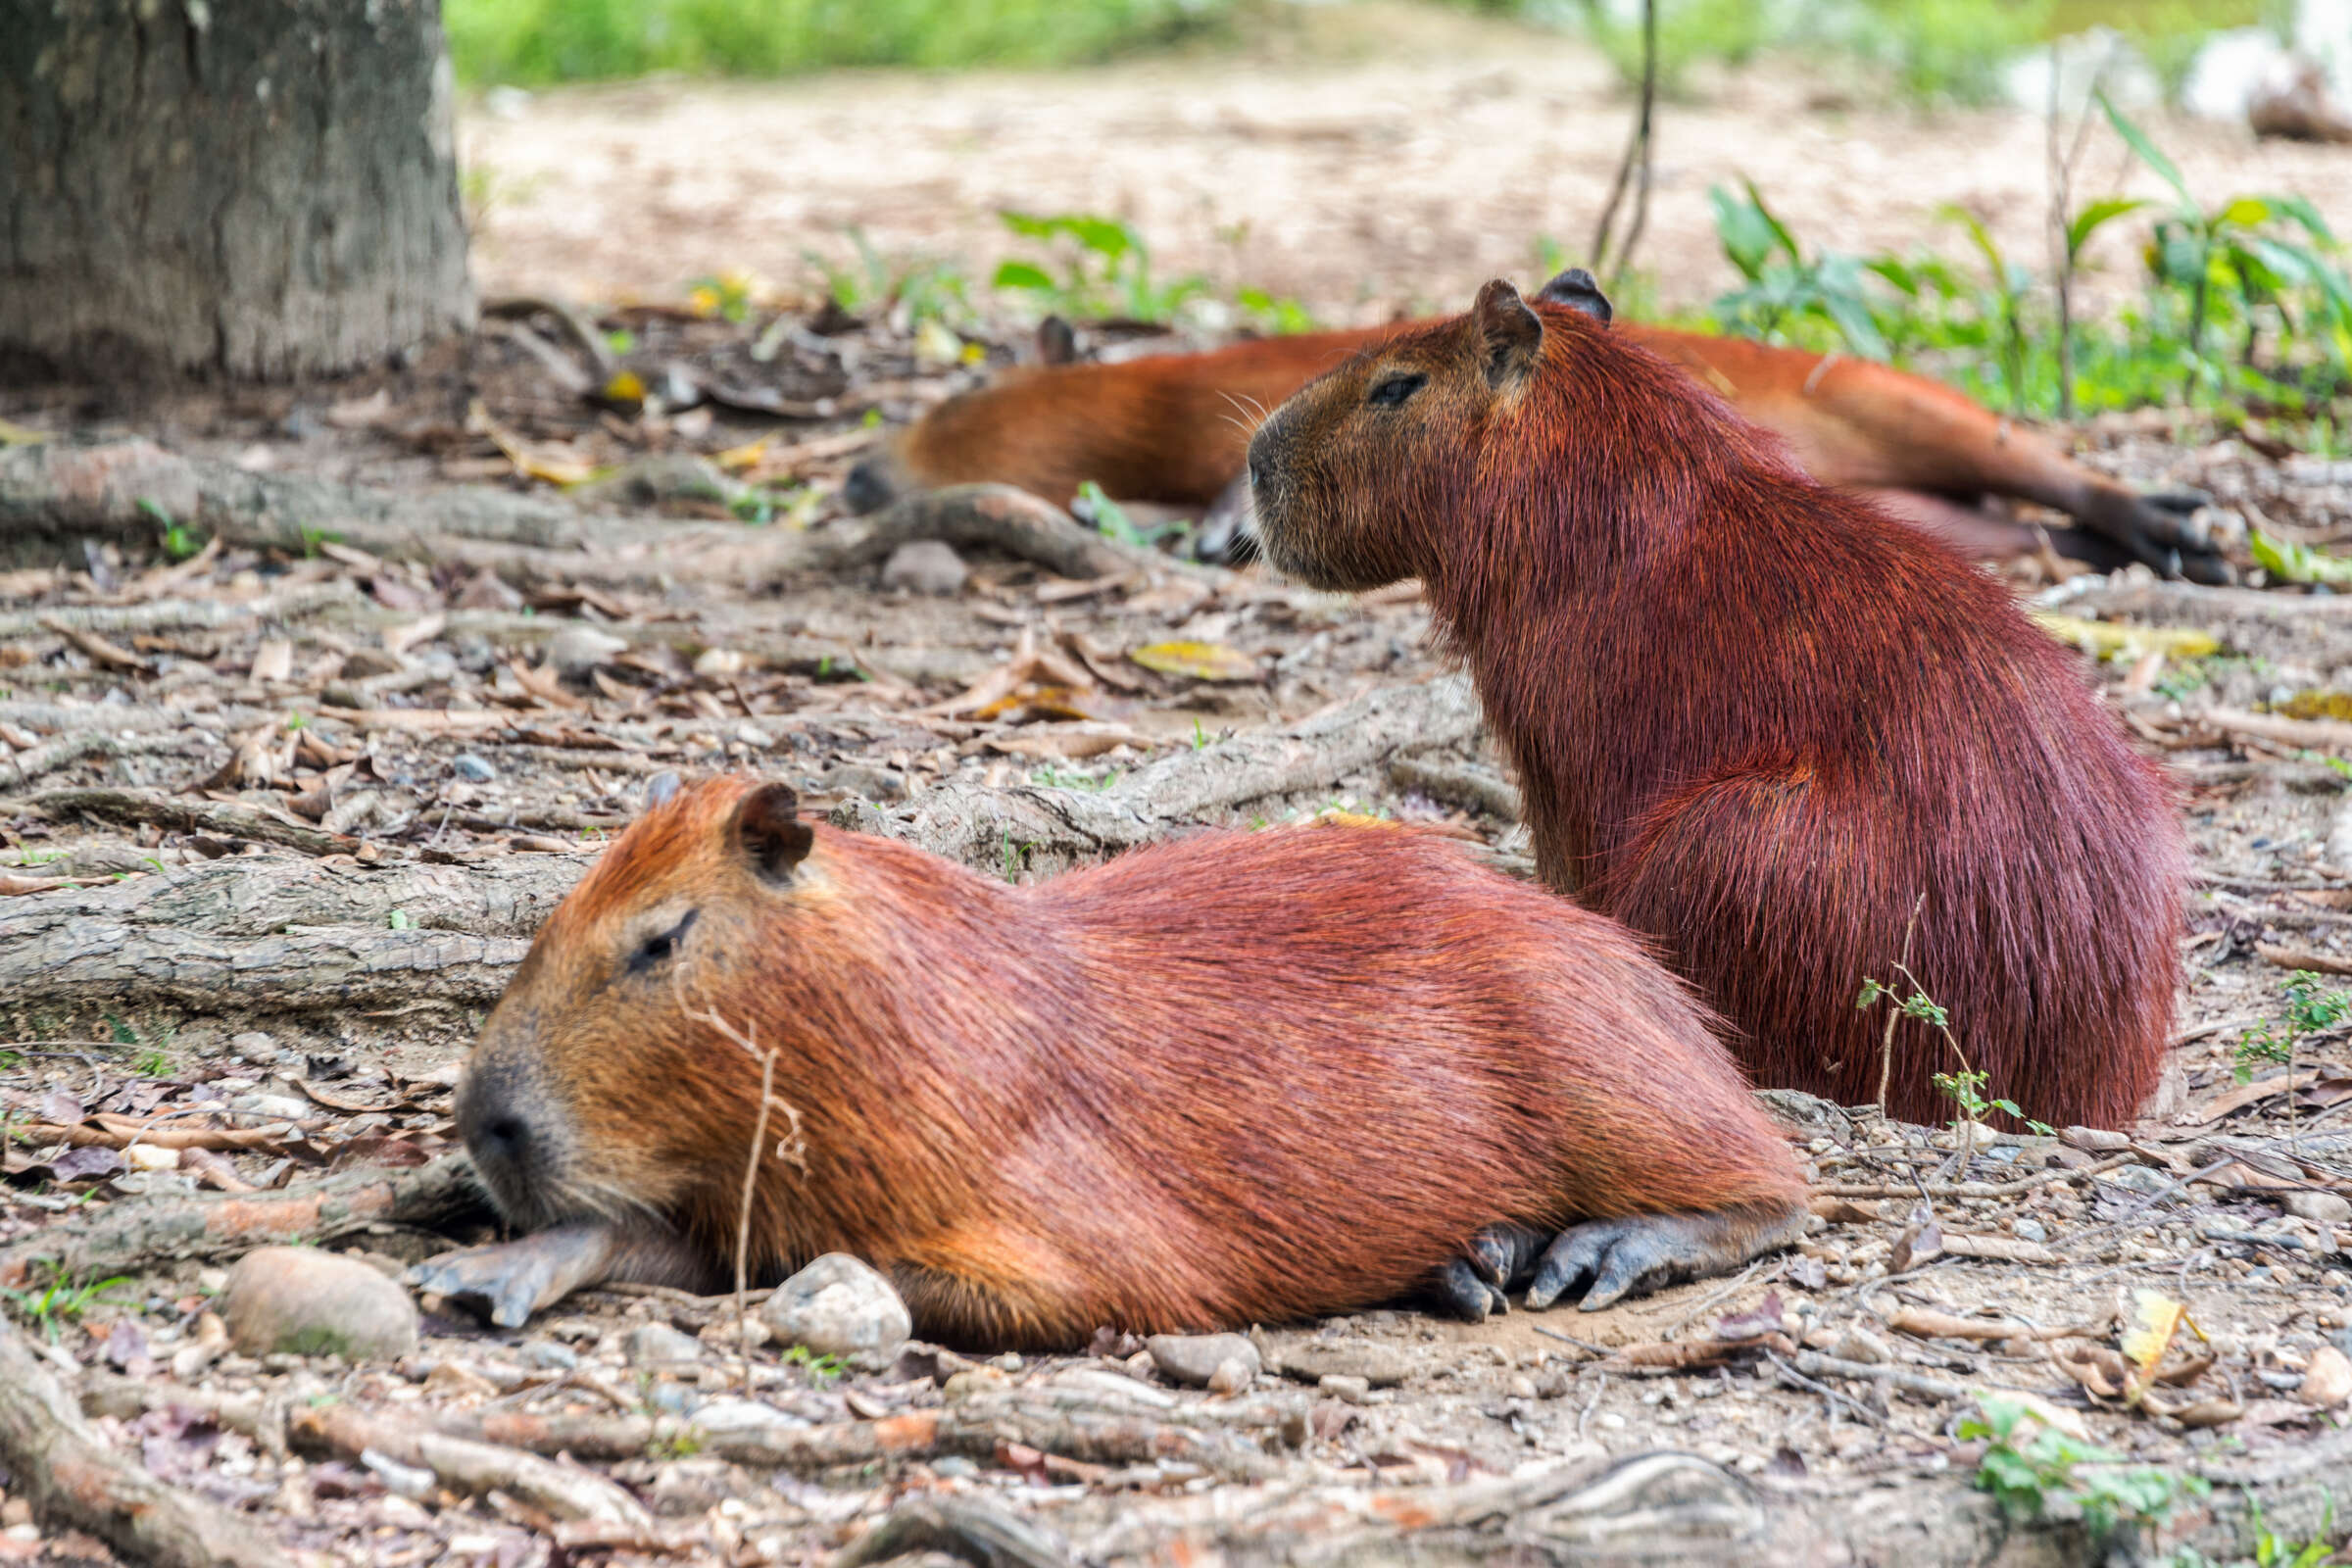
(1395, 391)
(658, 949)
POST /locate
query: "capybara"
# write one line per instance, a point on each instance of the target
(1753, 717)
(1242, 1077)
(1174, 427)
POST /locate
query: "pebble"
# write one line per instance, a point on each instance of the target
(2321, 1208)
(1232, 1376)
(1192, 1359)
(953, 1468)
(2327, 1380)
(1857, 1344)
(302, 1302)
(473, 770)
(660, 1345)
(253, 1046)
(548, 1356)
(270, 1107)
(743, 1418)
(1520, 1386)
(1379, 1365)
(925, 567)
(839, 1307)
(1339, 1386)
(2140, 1178)
(146, 1156)
(2029, 1229)
(575, 651)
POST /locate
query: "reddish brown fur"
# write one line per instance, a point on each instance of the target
(1240, 1078)
(1174, 428)
(1762, 750)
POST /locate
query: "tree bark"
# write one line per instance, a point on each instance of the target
(266, 188)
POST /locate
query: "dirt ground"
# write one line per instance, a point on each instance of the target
(280, 820)
(1362, 159)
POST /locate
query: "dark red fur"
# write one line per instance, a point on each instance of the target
(1240, 1078)
(1759, 720)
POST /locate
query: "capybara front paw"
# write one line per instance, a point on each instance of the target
(508, 1281)
(1618, 1255)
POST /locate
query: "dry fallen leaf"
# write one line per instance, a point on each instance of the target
(1197, 660)
(273, 659)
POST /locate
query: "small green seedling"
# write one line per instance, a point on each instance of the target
(2033, 1475)
(61, 1300)
(820, 1368)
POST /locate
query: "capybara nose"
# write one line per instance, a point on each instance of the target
(511, 1131)
(866, 489)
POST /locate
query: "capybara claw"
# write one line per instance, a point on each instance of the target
(1618, 1255)
(1462, 1292)
(493, 1280)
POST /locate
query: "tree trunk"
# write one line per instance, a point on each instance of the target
(266, 188)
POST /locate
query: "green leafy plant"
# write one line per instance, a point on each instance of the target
(2033, 1475)
(1967, 1089)
(2262, 249)
(180, 541)
(925, 290)
(1783, 284)
(2309, 1012)
(1092, 266)
(820, 1368)
(61, 1301)
(1113, 522)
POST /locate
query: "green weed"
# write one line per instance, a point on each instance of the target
(1092, 266)
(2309, 1012)
(822, 1368)
(2048, 1471)
(60, 1301)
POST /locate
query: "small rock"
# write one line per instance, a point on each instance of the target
(300, 1301)
(487, 592)
(473, 770)
(925, 567)
(728, 1337)
(1858, 1345)
(1379, 1365)
(660, 1345)
(1232, 1376)
(2327, 1380)
(210, 1341)
(1520, 1386)
(146, 1156)
(722, 663)
(253, 1109)
(2140, 1178)
(401, 1480)
(2321, 1208)
(1192, 1359)
(363, 663)
(2029, 1229)
(743, 1418)
(839, 1307)
(254, 1046)
(1339, 1386)
(953, 1468)
(16, 1511)
(548, 1356)
(575, 651)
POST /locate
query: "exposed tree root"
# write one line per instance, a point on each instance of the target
(74, 1480)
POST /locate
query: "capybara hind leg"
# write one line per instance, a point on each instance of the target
(514, 1279)
(1474, 1285)
(1643, 1251)
(1717, 873)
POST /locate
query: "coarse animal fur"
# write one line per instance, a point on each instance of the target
(1245, 1077)
(1174, 427)
(1752, 715)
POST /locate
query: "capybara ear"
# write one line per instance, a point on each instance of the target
(767, 829)
(1056, 341)
(1513, 335)
(1579, 290)
(661, 788)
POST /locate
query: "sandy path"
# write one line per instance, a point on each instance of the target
(1401, 172)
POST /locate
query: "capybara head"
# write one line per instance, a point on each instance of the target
(600, 1085)
(1351, 475)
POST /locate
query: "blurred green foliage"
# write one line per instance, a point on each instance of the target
(532, 42)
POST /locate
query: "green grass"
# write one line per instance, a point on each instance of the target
(533, 42)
